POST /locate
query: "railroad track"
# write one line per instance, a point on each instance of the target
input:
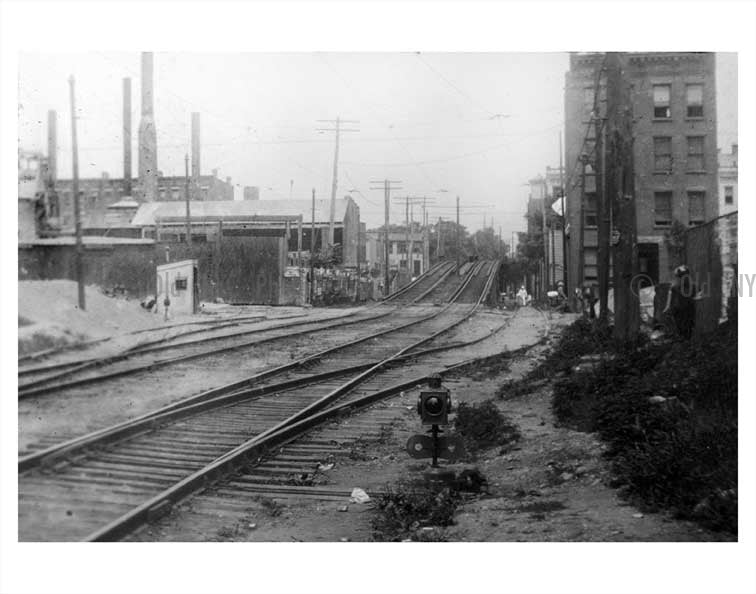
(108, 483)
(57, 379)
(291, 471)
(54, 378)
(470, 292)
(416, 290)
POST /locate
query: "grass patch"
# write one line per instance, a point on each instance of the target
(483, 426)
(680, 452)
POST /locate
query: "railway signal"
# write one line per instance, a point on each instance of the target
(434, 407)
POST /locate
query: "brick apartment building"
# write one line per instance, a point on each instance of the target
(675, 154)
(728, 181)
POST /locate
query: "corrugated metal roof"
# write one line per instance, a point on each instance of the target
(149, 212)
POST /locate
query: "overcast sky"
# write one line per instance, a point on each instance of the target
(476, 125)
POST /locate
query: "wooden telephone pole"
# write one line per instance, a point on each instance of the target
(457, 236)
(338, 130)
(312, 249)
(620, 188)
(386, 185)
(77, 205)
(602, 206)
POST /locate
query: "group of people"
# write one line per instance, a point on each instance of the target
(679, 313)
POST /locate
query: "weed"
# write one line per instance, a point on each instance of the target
(483, 426)
(677, 452)
(403, 510)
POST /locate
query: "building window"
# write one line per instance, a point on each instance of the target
(696, 208)
(694, 100)
(661, 102)
(729, 194)
(590, 264)
(695, 153)
(663, 153)
(591, 220)
(662, 209)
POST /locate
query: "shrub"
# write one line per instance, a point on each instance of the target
(681, 452)
(483, 426)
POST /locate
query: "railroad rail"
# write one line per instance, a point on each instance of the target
(290, 469)
(164, 458)
(415, 290)
(50, 377)
(54, 382)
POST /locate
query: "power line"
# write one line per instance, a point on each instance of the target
(456, 88)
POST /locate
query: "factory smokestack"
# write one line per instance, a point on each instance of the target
(148, 171)
(52, 145)
(195, 145)
(127, 136)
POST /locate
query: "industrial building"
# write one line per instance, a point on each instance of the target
(400, 244)
(167, 221)
(675, 156)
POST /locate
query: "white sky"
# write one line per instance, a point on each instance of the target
(429, 120)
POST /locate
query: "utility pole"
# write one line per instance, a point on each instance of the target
(77, 205)
(407, 240)
(602, 214)
(338, 130)
(581, 239)
(545, 241)
(457, 235)
(438, 241)
(386, 185)
(299, 243)
(186, 196)
(565, 255)
(357, 284)
(312, 249)
(621, 190)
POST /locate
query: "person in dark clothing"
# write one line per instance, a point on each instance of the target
(589, 302)
(681, 304)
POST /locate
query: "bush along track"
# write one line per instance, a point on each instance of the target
(668, 412)
(483, 426)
